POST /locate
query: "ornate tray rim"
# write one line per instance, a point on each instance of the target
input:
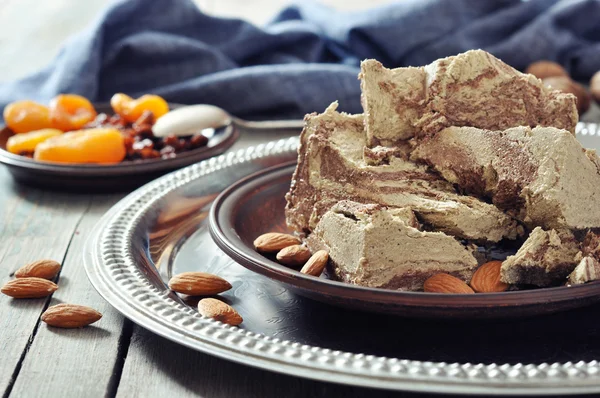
(110, 266)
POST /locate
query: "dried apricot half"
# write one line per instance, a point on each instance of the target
(27, 142)
(71, 112)
(131, 109)
(26, 116)
(101, 145)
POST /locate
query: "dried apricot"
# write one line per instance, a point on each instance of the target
(26, 116)
(27, 142)
(131, 109)
(84, 146)
(71, 112)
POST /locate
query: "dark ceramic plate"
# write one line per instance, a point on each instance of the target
(254, 206)
(108, 178)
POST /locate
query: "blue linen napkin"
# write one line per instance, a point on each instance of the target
(307, 57)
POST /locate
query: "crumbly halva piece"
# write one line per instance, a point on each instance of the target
(542, 176)
(332, 167)
(590, 244)
(470, 89)
(370, 245)
(588, 268)
(545, 259)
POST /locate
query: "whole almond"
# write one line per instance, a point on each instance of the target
(46, 269)
(584, 98)
(274, 241)
(293, 255)
(30, 287)
(198, 284)
(487, 278)
(220, 311)
(595, 86)
(316, 263)
(70, 316)
(545, 69)
(445, 283)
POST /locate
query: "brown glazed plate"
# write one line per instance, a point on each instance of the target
(108, 178)
(162, 229)
(255, 205)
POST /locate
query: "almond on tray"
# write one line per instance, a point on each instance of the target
(198, 284)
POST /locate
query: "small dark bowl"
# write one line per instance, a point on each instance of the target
(255, 205)
(107, 178)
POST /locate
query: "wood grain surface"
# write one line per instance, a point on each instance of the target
(35, 225)
(83, 359)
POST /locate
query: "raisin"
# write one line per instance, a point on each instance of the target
(171, 140)
(198, 141)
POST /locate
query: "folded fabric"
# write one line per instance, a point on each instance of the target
(306, 57)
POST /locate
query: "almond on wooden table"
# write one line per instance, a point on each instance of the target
(29, 287)
(446, 283)
(293, 255)
(70, 316)
(198, 284)
(274, 241)
(487, 278)
(46, 269)
(316, 263)
(220, 311)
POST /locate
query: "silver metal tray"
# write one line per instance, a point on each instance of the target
(161, 229)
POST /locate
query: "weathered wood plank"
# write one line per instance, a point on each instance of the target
(82, 359)
(33, 225)
(156, 367)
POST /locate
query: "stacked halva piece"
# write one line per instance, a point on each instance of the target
(461, 153)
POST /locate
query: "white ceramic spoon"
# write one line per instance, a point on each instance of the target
(193, 118)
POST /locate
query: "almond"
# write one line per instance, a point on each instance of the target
(46, 269)
(545, 69)
(220, 311)
(487, 278)
(70, 316)
(595, 86)
(293, 255)
(274, 241)
(445, 283)
(30, 287)
(198, 284)
(316, 263)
